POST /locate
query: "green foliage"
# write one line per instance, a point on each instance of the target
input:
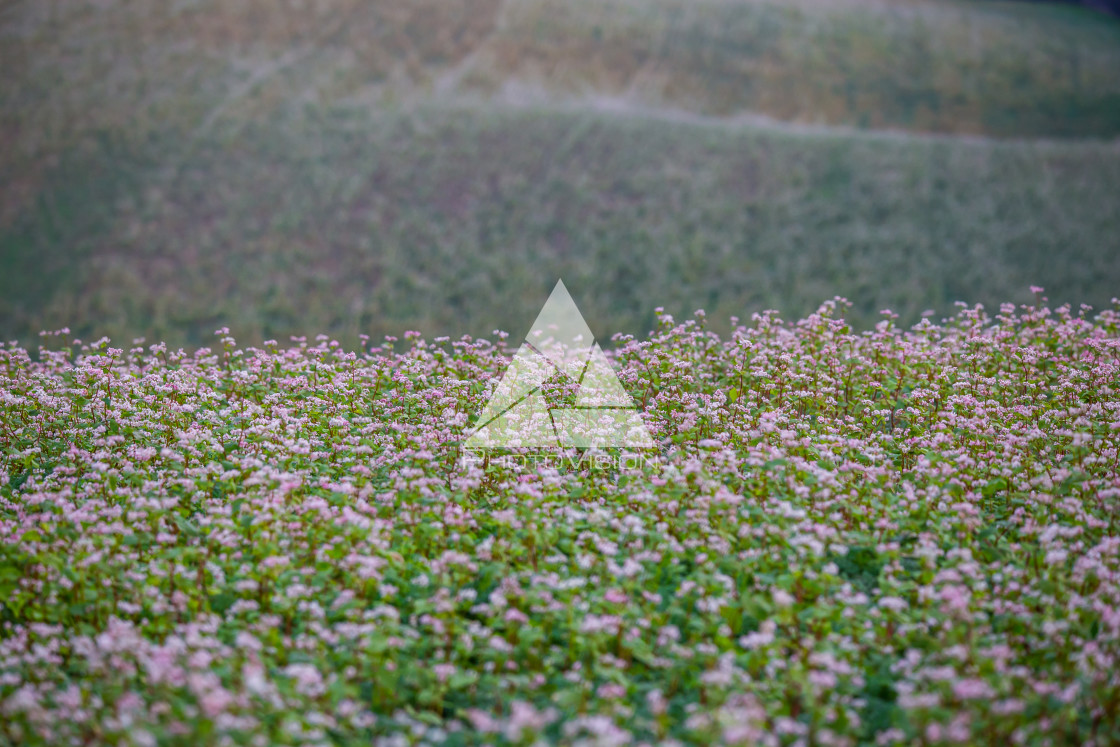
(861, 566)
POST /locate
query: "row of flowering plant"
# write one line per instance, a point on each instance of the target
(898, 536)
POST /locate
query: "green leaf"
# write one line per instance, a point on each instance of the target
(994, 486)
(221, 602)
(186, 527)
(460, 680)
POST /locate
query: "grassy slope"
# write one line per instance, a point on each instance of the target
(426, 220)
(288, 173)
(953, 67)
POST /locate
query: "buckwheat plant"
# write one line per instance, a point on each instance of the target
(899, 536)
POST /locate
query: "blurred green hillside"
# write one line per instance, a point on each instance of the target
(352, 167)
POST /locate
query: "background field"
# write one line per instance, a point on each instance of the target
(349, 167)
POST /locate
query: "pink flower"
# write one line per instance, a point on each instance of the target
(611, 690)
(615, 596)
(971, 689)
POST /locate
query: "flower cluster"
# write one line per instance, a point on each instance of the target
(902, 535)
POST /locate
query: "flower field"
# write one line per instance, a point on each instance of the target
(899, 536)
